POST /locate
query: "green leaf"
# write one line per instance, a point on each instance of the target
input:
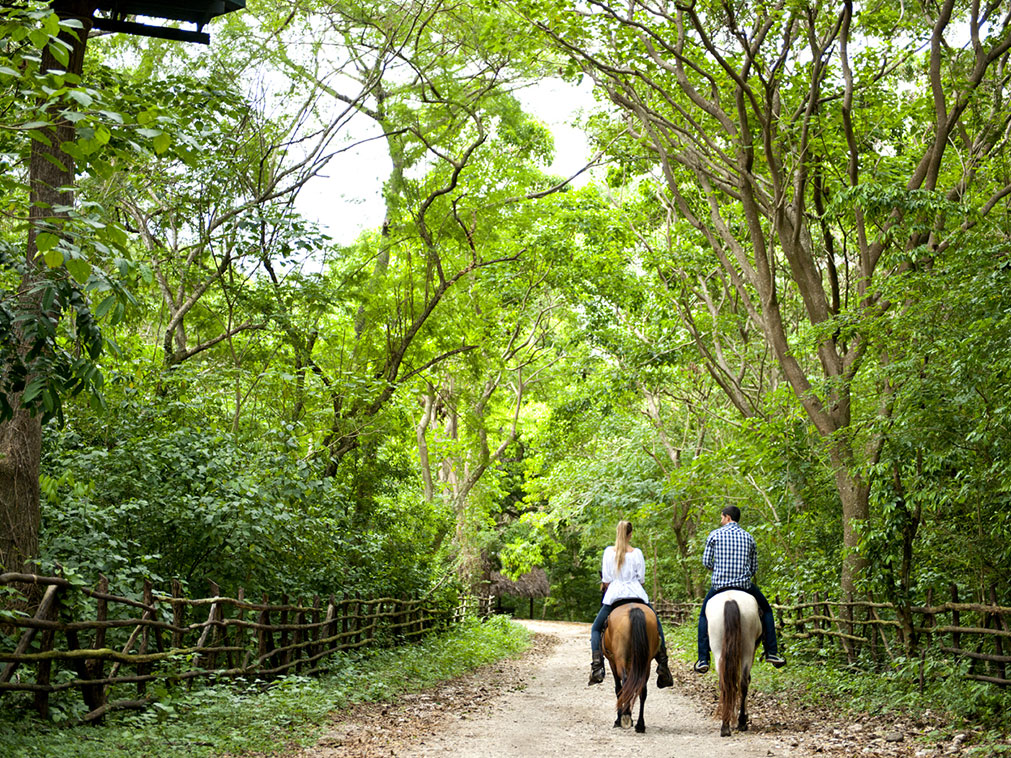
(116, 235)
(33, 389)
(46, 241)
(60, 52)
(81, 97)
(161, 143)
(105, 306)
(80, 269)
(39, 38)
(52, 25)
(38, 136)
(53, 258)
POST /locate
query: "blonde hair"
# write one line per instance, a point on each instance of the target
(621, 539)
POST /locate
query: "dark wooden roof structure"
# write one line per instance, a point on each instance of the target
(532, 584)
(197, 12)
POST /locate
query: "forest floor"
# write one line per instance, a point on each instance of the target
(539, 704)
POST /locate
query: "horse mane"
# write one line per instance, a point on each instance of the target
(639, 659)
(731, 659)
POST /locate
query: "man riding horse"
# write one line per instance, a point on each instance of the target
(731, 555)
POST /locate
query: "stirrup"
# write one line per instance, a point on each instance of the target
(776, 660)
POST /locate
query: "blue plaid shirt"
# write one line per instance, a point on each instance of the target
(732, 557)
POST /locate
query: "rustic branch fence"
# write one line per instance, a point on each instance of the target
(865, 632)
(130, 643)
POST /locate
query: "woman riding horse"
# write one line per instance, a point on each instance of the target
(630, 641)
(623, 569)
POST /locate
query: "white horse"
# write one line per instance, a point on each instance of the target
(735, 625)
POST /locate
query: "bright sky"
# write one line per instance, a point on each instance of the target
(346, 200)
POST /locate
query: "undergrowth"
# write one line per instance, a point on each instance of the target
(948, 703)
(229, 719)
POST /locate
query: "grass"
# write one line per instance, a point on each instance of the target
(947, 705)
(233, 720)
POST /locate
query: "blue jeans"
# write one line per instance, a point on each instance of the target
(768, 622)
(597, 630)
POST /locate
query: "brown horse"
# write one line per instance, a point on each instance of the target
(630, 642)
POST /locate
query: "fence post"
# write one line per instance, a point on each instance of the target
(872, 636)
(210, 630)
(956, 635)
(998, 623)
(928, 624)
(264, 636)
(93, 695)
(48, 601)
(178, 614)
(851, 615)
(330, 630)
(357, 620)
(317, 631)
(799, 611)
(335, 625)
(881, 632)
(102, 613)
(143, 668)
(284, 657)
(45, 667)
(299, 636)
(240, 632)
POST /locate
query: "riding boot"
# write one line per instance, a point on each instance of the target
(663, 677)
(596, 668)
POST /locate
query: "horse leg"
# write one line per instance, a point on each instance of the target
(617, 690)
(625, 716)
(640, 725)
(725, 728)
(742, 717)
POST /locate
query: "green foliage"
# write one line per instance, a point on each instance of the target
(167, 500)
(268, 719)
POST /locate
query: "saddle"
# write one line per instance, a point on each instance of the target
(616, 603)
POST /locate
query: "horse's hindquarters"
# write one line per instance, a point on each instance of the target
(734, 627)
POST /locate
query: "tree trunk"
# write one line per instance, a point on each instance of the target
(20, 453)
(854, 495)
(51, 172)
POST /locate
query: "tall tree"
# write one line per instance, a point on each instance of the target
(811, 149)
(48, 52)
(437, 82)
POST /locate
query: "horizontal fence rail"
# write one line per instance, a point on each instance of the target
(129, 643)
(870, 632)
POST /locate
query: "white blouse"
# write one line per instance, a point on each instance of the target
(626, 583)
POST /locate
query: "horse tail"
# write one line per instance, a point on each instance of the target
(731, 659)
(638, 660)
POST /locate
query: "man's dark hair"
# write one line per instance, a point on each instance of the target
(733, 511)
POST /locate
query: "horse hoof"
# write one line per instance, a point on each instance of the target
(725, 731)
(742, 727)
(640, 728)
(626, 722)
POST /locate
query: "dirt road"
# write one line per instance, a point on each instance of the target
(557, 714)
(539, 706)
